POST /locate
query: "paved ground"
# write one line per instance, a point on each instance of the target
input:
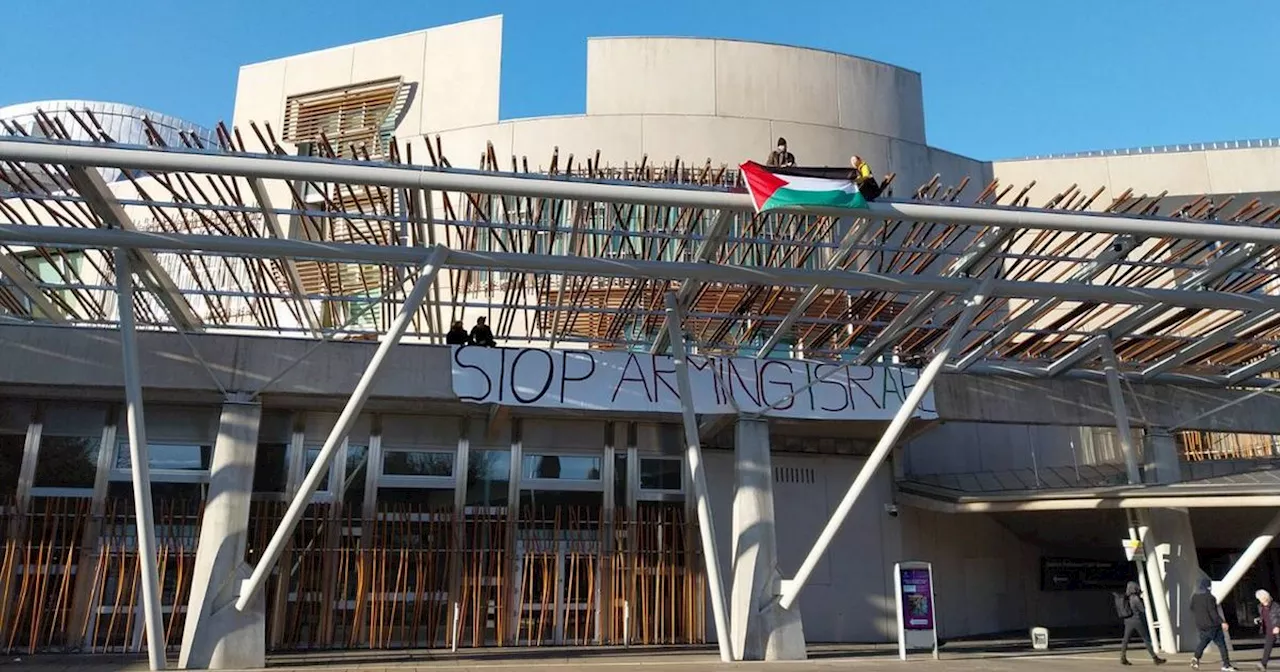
(1007, 656)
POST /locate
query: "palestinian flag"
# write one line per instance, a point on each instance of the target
(772, 188)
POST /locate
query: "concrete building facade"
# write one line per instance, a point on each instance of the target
(413, 539)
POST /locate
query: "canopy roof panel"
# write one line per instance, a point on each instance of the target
(238, 241)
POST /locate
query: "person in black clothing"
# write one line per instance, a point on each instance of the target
(1135, 621)
(481, 335)
(457, 334)
(781, 158)
(1269, 619)
(1212, 627)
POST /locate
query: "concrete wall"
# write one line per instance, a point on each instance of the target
(967, 447)
(1185, 173)
(850, 595)
(729, 78)
(696, 99)
(1075, 402)
(987, 577)
(456, 67)
(85, 359)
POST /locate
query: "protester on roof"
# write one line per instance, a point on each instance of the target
(482, 335)
(780, 157)
(862, 176)
(457, 334)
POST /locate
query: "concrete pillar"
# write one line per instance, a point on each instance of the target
(1170, 543)
(1171, 550)
(217, 636)
(1163, 465)
(760, 628)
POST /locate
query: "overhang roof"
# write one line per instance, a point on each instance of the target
(584, 260)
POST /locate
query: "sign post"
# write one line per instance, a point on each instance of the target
(917, 617)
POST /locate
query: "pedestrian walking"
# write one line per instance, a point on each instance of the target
(1269, 619)
(1212, 627)
(1133, 614)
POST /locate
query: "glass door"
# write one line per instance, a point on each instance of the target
(558, 587)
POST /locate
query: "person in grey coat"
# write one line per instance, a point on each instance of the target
(1269, 619)
(1135, 622)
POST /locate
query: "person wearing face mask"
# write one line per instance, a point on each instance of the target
(781, 158)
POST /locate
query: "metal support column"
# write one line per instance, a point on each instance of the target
(1159, 595)
(791, 590)
(693, 454)
(1112, 369)
(1251, 554)
(139, 466)
(350, 413)
(1153, 587)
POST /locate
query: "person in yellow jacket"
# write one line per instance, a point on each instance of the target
(864, 179)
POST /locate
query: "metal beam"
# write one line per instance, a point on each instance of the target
(448, 179)
(791, 589)
(1219, 269)
(1161, 299)
(103, 203)
(1264, 365)
(981, 250)
(698, 474)
(13, 269)
(1121, 412)
(347, 419)
(943, 505)
(269, 217)
(852, 238)
(1208, 343)
(140, 467)
(689, 286)
(1118, 250)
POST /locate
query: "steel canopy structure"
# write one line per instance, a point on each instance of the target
(582, 261)
(623, 259)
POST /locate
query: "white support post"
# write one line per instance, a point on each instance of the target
(791, 589)
(139, 466)
(1112, 370)
(693, 454)
(1251, 554)
(1159, 596)
(1135, 535)
(341, 428)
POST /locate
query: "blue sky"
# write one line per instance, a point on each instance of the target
(1002, 78)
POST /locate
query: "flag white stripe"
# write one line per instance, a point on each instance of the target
(800, 183)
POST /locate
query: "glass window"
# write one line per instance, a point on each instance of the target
(269, 467)
(312, 453)
(170, 456)
(488, 477)
(417, 463)
(620, 479)
(67, 462)
(357, 463)
(11, 448)
(416, 499)
(661, 473)
(168, 499)
(569, 508)
(562, 467)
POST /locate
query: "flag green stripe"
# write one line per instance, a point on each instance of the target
(835, 198)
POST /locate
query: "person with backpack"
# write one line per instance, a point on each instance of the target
(1133, 613)
(1212, 627)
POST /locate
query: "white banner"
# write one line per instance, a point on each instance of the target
(641, 383)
